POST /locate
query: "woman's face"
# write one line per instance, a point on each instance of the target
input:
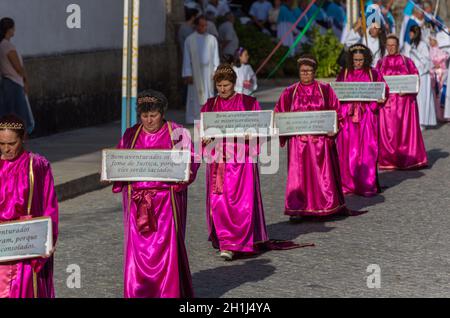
(307, 74)
(11, 145)
(225, 89)
(152, 121)
(411, 35)
(392, 46)
(358, 61)
(433, 42)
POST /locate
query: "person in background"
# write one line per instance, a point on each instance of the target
(419, 52)
(200, 60)
(246, 82)
(259, 12)
(228, 39)
(438, 73)
(14, 84)
(273, 16)
(187, 28)
(211, 24)
(376, 37)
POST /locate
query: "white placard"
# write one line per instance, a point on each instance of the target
(306, 123)
(145, 165)
(359, 91)
(403, 84)
(238, 124)
(25, 239)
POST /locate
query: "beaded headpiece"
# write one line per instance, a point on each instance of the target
(358, 48)
(11, 126)
(148, 100)
(306, 59)
(225, 70)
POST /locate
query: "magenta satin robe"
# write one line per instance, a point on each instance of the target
(234, 208)
(357, 142)
(313, 180)
(401, 143)
(155, 262)
(16, 278)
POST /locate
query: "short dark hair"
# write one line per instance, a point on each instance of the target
(5, 25)
(150, 101)
(189, 13)
(225, 72)
(361, 49)
(198, 19)
(308, 59)
(13, 120)
(393, 37)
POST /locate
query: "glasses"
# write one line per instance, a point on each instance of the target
(358, 60)
(306, 71)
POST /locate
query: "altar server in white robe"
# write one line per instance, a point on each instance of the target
(419, 52)
(443, 39)
(200, 61)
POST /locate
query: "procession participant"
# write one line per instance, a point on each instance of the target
(357, 142)
(401, 142)
(420, 55)
(234, 206)
(439, 59)
(314, 182)
(376, 39)
(201, 58)
(26, 191)
(155, 259)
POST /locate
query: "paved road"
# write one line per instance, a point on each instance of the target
(405, 232)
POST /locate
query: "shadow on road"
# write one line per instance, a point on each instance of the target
(215, 282)
(290, 231)
(434, 155)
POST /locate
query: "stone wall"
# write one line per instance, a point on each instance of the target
(70, 90)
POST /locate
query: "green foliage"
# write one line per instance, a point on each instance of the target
(326, 48)
(259, 46)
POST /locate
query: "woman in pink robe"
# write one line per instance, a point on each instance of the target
(357, 142)
(401, 142)
(313, 180)
(234, 207)
(155, 258)
(26, 278)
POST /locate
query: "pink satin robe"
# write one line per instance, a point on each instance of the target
(401, 143)
(357, 142)
(155, 262)
(234, 206)
(313, 181)
(16, 278)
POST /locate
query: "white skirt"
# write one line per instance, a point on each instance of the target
(425, 102)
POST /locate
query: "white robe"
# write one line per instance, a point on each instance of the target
(200, 60)
(354, 37)
(444, 44)
(425, 99)
(245, 73)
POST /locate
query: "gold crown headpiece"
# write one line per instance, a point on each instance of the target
(11, 126)
(358, 48)
(306, 59)
(225, 71)
(148, 100)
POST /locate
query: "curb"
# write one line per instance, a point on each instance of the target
(80, 186)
